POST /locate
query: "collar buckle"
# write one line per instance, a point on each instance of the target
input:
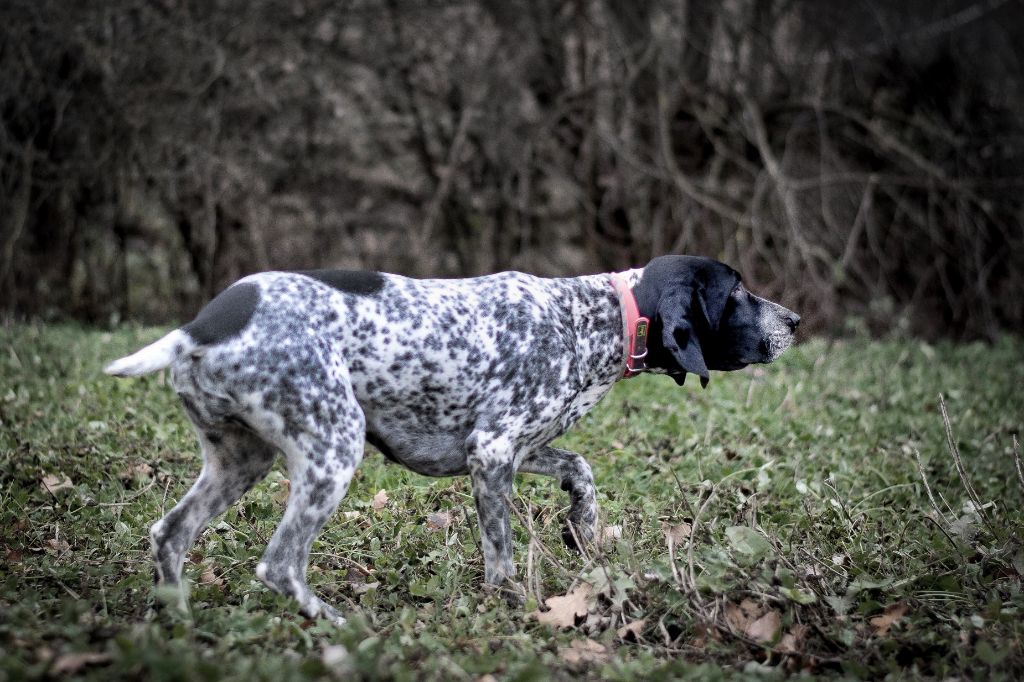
(635, 327)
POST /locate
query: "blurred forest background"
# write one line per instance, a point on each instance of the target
(857, 159)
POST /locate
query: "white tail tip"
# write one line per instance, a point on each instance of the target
(156, 355)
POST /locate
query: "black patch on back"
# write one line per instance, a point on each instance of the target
(226, 315)
(348, 281)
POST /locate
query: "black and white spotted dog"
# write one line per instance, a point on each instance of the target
(448, 377)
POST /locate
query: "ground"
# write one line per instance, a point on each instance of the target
(807, 517)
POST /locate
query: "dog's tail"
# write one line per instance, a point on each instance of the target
(156, 355)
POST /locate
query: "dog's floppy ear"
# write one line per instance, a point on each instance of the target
(713, 291)
(679, 333)
(692, 303)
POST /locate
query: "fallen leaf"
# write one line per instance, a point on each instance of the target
(138, 470)
(208, 577)
(380, 500)
(678, 535)
(792, 642)
(563, 611)
(764, 629)
(487, 678)
(439, 521)
(58, 544)
(51, 483)
(583, 651)
(363, 588)
(69, 664)
(740, 616)
(750, 619)
(631, 630)
(611, 533)
(889, 617)
(349, 515)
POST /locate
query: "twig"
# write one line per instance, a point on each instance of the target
(532, 577)
(693, 534)
(928, 489)
(533, 538)
(964, 478)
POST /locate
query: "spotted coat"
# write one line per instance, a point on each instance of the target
(447, 377)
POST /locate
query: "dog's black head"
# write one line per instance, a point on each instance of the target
(702, 318)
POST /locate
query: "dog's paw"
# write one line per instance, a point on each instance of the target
(512, 592)
(318, 609)
(172, 598)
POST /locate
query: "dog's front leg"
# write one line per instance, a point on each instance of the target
(491, 470)
(576, 478)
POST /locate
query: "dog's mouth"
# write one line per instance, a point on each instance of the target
(775, 344)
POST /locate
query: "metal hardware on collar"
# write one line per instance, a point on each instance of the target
(635, 327)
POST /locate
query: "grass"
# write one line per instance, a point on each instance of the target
(776, 523)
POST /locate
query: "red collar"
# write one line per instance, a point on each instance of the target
(635, 326)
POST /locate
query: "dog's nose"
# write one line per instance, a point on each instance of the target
(792, 319)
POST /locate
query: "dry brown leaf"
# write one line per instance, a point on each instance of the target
(380, 500)
(439, 521)
(208, 577)
(740, 616)
(563, 611)
(137, 470)
(750, 619)
(69, 664)
(889, 617)
(51, 483)
(487, 678)
(632, 630)
(583, 651)
(58, 544)
(793, 641)
(678, 535)
(611, 533)
(765, 628)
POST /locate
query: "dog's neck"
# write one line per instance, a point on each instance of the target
(635, 325)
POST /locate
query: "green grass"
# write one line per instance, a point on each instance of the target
(799, 482)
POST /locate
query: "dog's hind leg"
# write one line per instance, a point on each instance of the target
(322, 456)
(234, 460)
(490, 458)
(576, 479)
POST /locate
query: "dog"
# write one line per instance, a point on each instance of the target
(446, 377)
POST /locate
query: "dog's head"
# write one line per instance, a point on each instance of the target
(702, 318)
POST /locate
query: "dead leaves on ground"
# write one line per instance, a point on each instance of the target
(753, 621)
(380, 500)
(53, 483)
(563, 611)
(74, 662)
(583, 651)
(439, 521)
(892, 615)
